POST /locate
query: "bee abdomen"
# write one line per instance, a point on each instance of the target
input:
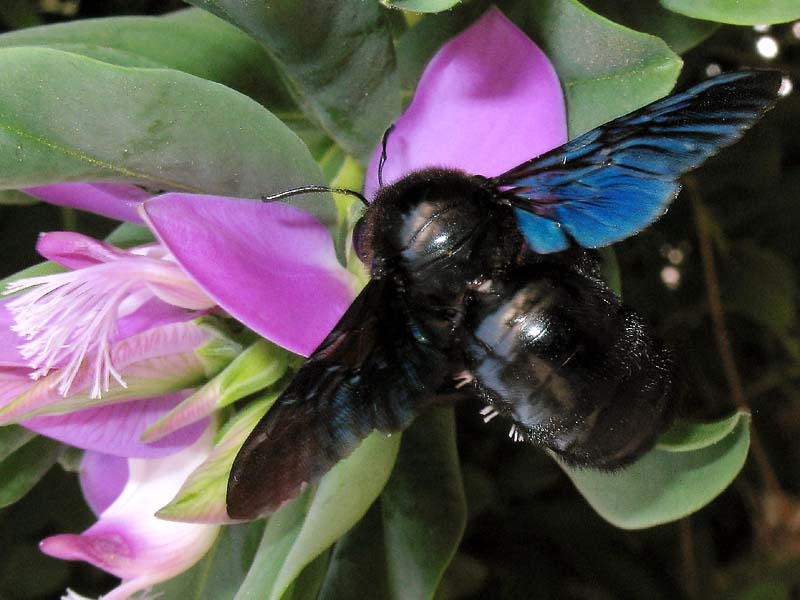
(577, 372)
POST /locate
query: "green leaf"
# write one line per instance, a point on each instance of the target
(337, 57)
(685, 436)
(164, 128)
(16, 14)
(12, 438)
(43, 268)
(301, 531)
(128, 234)
(221, 571)
(358, 568)
(606, 70)
(737, 12)
(280, 533)
(648, 16)
(16, 198)
(259, 366)
(424, 510)
(665, 485)
(310, 580)
(25, 467)
(407, 544)
(761, 285)
(201, 498)
(192, 41)
(422, 6)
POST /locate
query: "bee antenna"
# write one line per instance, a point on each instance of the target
(384, 141)
(313, 189)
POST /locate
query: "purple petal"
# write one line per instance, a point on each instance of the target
(488, 101)
(13, 382)
(113, 200)
(103, 478)
(116, 428)
(9, 340)
(271, 266)
(128, 540)
(153, 313)
(75, 250)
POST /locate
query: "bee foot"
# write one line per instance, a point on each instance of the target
(489, 413)
(463, 378)
(515, 434)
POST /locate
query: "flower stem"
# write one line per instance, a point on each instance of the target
(716, 310)
(688, 561)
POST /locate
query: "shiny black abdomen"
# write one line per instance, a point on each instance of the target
(553, 349)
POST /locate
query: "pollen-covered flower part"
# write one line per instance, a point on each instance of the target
(71, 317)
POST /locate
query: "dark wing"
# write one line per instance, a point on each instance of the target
(554, 351)
(375, 370)
(613, 181)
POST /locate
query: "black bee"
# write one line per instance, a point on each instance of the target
(482, 285)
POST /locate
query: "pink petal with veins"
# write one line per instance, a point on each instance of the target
(271, 266)
(488, 101)
(113, 200)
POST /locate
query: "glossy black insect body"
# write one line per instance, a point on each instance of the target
(485, 285)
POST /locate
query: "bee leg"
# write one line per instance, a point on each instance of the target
(463, 378)
(515, 434)
(489, 412)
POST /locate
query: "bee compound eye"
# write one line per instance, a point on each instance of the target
(359, 244)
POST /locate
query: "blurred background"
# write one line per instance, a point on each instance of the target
(717, 277)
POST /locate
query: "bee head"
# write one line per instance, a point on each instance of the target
(423, 218)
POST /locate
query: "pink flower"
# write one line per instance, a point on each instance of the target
(128, 540)
(94, 356)
(488, 101)
(119, 326)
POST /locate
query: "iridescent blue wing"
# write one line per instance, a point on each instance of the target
(614, 181)
(376, 370)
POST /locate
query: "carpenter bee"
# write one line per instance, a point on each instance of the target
(488, 286)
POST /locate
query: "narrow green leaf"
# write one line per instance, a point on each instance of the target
(344, 495)
(220, 572)
(648, 16)
(259, 366)
(336, 55)
(12, 438)
(737, 12)
(128, 234)
(201, 498)
(665, 485)
(192, 41)
(401, 548)
(421, 6)
(358, 569)
(44, 268)
(16, 198)
(685, 436)
(424, 509)
(310, 580)
(301, 531)
(161, 127)
(280, 534)
(25, 467)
